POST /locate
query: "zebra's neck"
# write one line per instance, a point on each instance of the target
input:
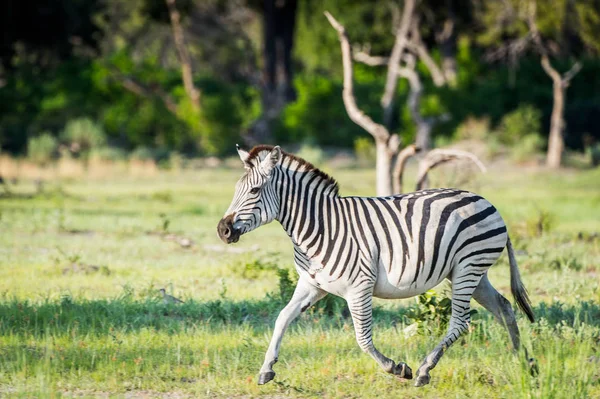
(307, 199)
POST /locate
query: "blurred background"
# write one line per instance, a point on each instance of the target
(165, 80)
(118, 125)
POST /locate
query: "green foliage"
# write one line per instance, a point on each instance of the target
(529, 146)
(566, 262)
(540, 222)
(83, 135)
(430, 313)
(42, 149)
(523, 121)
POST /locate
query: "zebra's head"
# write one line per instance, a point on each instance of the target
(255, 201)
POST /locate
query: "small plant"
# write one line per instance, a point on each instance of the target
(540, 223)
(165, 222)
(565, 262)
(83, 135)
(430, 313)
(286, 285)
(42, 149)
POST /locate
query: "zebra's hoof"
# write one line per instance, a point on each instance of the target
(422, 380)
(403, 371)
(263, 378)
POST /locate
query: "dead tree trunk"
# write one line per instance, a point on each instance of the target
(556, 142)
(184, 57)
(560, 83)
(387, 101)
(386, 144)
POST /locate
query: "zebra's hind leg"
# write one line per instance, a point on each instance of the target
(360, 306)
(462, 291)
(500, 307)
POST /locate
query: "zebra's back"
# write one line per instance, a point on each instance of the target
(414, 241)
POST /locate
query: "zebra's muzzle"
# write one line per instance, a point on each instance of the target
(226, 232)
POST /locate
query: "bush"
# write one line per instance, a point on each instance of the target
(473, 129)
(83, 135)
(522, 122)
(312, 154)
(529, 146)
(108, 154)
(540, 223)
(42, 149)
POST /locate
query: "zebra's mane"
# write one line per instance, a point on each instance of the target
(297, 163)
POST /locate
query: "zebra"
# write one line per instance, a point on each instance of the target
(363, 247)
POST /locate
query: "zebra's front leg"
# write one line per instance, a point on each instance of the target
(360, 306)
(305, 295)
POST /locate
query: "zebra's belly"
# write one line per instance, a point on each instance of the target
(385, 289)
(391, 286)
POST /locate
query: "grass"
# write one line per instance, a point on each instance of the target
(80, 315)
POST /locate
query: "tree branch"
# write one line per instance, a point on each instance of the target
(379, 132)
(401, 159)
(387, 100)
(437, 157)
(364, 57)
(417, 45)
(570, 74)
(184, 57)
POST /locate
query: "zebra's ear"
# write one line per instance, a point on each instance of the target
(271, 160)
(243, 154)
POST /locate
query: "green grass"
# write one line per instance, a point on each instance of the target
(80, 316)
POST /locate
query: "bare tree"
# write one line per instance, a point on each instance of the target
(184, 57)
(386, 144)
(388, 181)
(387, 101)
(560, 83)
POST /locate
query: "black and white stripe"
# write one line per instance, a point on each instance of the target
(359, 247)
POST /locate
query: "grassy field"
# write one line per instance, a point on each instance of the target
(80, 314)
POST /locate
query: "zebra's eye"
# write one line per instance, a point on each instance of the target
(255, 190)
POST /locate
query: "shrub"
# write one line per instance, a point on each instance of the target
(42, 149)
(83, 135)
(540, 223)
(311, 153)
(431, 314)
(473, 129)
(108, 154)
(529, 146)
(524, 121)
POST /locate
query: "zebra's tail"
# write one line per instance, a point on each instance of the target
(516, 285)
